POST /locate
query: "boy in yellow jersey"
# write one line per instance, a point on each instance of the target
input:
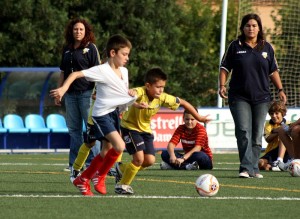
(136, 130)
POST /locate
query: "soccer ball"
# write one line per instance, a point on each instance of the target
(294, 168)
(207, 185)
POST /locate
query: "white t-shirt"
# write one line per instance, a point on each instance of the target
(112, 91)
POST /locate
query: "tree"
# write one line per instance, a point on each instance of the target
(31, 32)
(181, 37)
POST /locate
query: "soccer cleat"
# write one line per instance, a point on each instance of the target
(284, 166)
(112, 172)
(83, 185)
(99, 183)
(119, 173)
(123, 189)
(165, 166)
(275, 166)
(73, 174)
(192, 166)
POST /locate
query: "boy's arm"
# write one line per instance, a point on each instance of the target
(59, 92)
(171, 148)
(196, 148)
(187, 106)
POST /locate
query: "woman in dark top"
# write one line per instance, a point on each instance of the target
(79, 53)
(252, 62)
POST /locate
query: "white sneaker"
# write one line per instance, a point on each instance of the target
(244, 175)
(123, 189)
(192, 166)
(275, 166)
(284, 166)
(67, 169)
(258, 175)
(165, 166)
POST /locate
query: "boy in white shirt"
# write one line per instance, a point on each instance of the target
(112, 98)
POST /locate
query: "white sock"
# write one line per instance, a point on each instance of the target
(280, 159)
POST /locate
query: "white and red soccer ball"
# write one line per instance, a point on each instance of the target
(294, 168)
(207, 185)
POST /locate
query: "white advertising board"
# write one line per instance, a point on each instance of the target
(220, 130)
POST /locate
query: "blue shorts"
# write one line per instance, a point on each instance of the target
(138, 141)
(103, 125)
(272, 155)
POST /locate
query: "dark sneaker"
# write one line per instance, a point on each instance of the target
(165, 166)
(192, 166)
(284, 166)
(112, 172)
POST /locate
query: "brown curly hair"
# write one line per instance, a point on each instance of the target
(277, 106)
(89, 36)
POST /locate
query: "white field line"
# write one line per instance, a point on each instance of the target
(153, 197)
(64, 164)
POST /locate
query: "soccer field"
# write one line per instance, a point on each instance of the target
(35, 186)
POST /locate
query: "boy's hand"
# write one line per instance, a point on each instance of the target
(205, 119)
(173, 159)
(132, 92)
(57, 93)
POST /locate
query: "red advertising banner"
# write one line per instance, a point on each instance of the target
(163, 125)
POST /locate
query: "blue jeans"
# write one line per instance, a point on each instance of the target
(249, 123)
(77, 109)
(200, 157)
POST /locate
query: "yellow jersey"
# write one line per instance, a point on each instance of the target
(140, 119)
(267, 131)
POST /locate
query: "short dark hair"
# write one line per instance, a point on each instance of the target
(188, 112)
(117, 42)
(278, 106)
(155, 74)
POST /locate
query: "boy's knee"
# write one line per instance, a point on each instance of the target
(137, 162)
(296, 130)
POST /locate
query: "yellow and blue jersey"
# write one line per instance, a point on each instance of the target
(140, 119)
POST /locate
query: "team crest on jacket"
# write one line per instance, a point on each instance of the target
(264, 54)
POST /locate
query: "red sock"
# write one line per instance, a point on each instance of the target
(93, 168)
(108, 161)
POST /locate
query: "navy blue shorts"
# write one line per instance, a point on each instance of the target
(103, 125)
(273, 154)
(138, 141)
